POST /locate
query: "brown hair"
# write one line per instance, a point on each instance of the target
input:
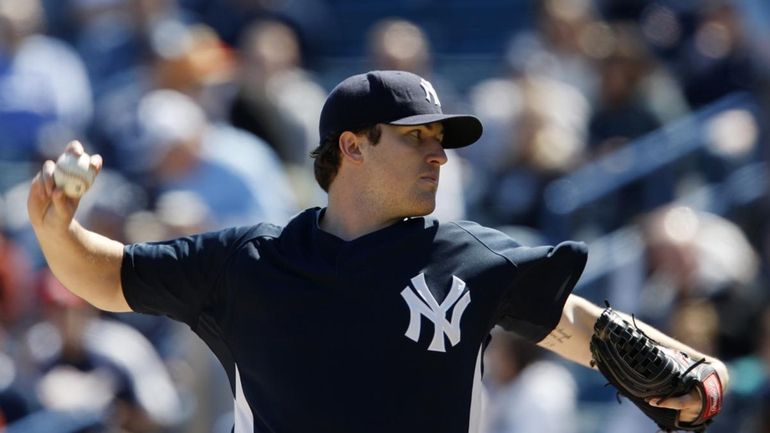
(327, 154)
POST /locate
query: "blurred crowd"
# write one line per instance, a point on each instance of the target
(640, 127)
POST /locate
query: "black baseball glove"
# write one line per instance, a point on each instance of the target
(641, 369)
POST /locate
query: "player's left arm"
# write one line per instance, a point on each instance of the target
(571, 337)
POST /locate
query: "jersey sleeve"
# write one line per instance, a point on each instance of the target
(179, 277)
(544, 277)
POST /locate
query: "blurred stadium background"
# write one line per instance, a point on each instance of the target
(640, 127)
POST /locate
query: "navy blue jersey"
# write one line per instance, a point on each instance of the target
(383, 333)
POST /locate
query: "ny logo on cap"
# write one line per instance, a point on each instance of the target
(424, 304)
(430, 92)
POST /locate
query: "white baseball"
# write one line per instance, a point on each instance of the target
(74, 174)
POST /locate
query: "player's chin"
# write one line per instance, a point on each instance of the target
(425, 205)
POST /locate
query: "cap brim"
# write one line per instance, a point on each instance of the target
(459, 129)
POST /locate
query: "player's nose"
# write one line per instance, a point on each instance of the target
(436, 153)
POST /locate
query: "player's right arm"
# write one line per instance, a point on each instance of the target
(86, 263)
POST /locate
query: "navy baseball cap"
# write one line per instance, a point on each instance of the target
(395, 98)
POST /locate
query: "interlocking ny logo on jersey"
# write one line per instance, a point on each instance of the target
(424, 304)
(430, 92)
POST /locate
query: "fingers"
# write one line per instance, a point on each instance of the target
(676, 403)
(43, 184)
(46, 177)
(37, 199)
(97, 162)
(40, 191)
(688, 405)
(74, 147)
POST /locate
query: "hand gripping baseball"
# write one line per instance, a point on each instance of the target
(649, 374)
(74, 174)
(56, 190)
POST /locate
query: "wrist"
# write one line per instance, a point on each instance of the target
(58, 234)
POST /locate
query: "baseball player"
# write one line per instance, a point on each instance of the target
(364, 315)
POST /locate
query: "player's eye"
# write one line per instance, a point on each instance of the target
(415, 134)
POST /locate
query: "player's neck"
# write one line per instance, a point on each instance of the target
(349, 220)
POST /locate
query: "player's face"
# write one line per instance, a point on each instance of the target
(404, 168)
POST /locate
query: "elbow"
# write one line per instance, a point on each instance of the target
(113, 307)
(115, 302)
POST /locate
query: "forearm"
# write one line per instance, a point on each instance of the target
(571, 337)
(86, 263)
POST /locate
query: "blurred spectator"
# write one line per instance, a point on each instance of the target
(693, 255)
(229, 18)
(277, 99)
(91, 365)
(528, 393)
(235, 174)
(119, 39)
(189, 59)
(13, 404)
(535, 131)
(33, 94)
(109, 37)
(568, 34)
(624, 111)
(15, 284)
(621, 114)
(717, 59)
(193, 60)
(397, 44)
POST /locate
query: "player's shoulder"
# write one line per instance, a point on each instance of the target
(264, 230)
(473, 238)
(474, 232)
(236, 238)
(516, 245)
(260, 233)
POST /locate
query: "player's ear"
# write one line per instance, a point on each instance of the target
(350, 147)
